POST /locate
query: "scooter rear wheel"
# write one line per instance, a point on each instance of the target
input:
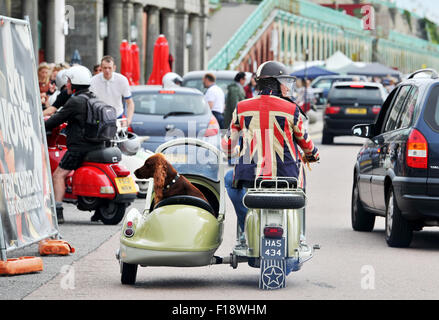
(112, 213)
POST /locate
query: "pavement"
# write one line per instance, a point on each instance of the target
(350, 265)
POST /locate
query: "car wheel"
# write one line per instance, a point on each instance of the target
(399, 232)
(362, 220)
(327, 138)
(128, 273)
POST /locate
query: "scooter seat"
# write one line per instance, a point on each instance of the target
(259, 200)
(107, 155)
(186, 200)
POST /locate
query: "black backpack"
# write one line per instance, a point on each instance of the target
(101, 120)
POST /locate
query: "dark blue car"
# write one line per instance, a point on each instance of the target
(397, 170)
(167, 114)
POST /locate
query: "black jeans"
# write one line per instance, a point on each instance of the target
(220, 118)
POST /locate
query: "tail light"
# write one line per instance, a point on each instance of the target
(273, 232)
(129, 232)
(212, 128)
(417, 150)
(376, 110)
(130, 129)
(120, 170)
(332, 109)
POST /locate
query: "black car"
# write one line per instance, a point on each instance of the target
(351, 103)
(321, 85)
(397, 170)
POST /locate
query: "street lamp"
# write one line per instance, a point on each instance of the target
(208, 40)
(188, 39)
(103, 28)
(134, 32)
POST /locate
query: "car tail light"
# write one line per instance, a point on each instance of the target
(332, 109)
(130, 129)
(357, 86)
(167, 92)
(120, 170)
(212, 128)
(376, 110)
(417, 150)
(273, 232)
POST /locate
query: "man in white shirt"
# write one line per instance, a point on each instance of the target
(112, 88)
(215, 98)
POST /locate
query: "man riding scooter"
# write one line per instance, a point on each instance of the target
(74, 113)
(268, 130)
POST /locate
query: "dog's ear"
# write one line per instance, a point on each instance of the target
(160, 173)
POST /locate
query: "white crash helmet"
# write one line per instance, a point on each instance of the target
(172, 80)
(79, 76)
(61, 79)
(130, 143)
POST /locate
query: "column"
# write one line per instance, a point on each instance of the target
(293, 42)
(310, 46)
(128, 18)
(181, 52)
(203, 34)
(168, 24)
(115, 30)
(5, 8)
(195, 48)
(55, 39)
(30, 9)
(138, 18)
(153, 30)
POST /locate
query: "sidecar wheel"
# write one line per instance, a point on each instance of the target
(128, 273)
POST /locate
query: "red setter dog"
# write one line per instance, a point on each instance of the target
(167, 182)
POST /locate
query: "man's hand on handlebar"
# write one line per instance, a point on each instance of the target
(312, 159)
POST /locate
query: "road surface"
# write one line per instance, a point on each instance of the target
(350, 265)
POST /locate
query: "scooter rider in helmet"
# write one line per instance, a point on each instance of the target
(172, 80)
(269, 133)
(74, 112)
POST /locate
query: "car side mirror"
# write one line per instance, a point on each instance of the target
(363, 131)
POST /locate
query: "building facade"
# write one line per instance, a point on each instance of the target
(97, 27)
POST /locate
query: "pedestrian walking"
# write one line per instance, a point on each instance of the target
(235, 94)
(250, 89)
(113, 88)
(215, 98)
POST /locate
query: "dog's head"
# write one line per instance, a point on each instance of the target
(155, 167)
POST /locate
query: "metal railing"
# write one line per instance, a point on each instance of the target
(303, 8)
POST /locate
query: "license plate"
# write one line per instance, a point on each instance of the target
(176, 158)
(356, 111)
(126, 185)
(273, 248)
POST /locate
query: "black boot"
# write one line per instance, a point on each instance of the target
(60, 215)
(96, 217)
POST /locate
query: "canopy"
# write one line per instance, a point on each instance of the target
(135, 59)
(160, 65)
(337, 60)
(126, 61)
(313, 72)
(370, 69)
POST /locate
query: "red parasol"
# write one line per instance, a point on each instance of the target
(135, 73)
(126, 61)
(160, 65)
